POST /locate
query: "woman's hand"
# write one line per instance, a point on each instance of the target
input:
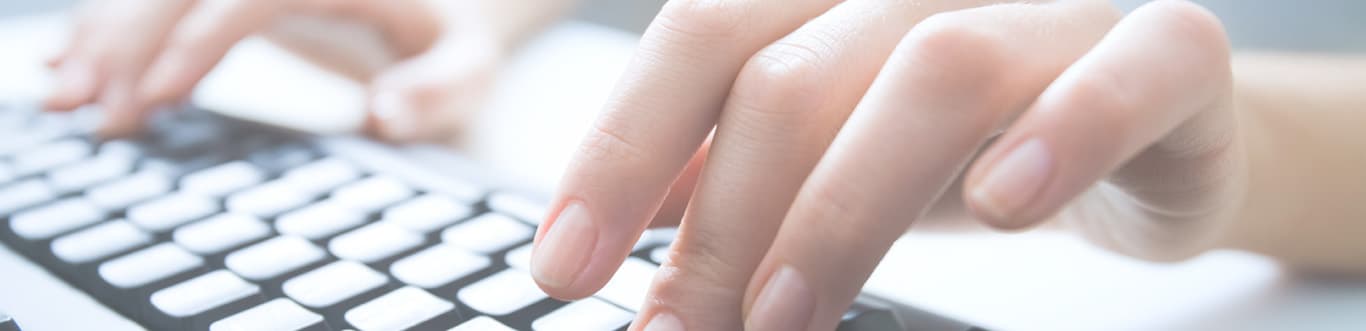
(838, 123)
(131, 57)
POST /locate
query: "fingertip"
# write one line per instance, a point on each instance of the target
(560, 259)
(391, 116)
(75, 87)
(123, 116)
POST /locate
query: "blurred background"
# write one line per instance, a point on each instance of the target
(1318, 25)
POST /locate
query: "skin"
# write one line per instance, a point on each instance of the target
(431, 65)
(794, 141)
(799, 139)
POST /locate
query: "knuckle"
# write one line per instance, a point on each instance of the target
(955, 50)
(1111, 102)
(605, 143)
(1197, 26)
(702, 18)
(707, 258)
(784, 79)
(1190, 18)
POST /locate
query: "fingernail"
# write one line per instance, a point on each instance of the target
(1014, 181)
(392, 111)
(664, 321)
(564, 251)
(785, 303)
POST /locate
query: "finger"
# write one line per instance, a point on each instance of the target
(121, 41)
(1165, 63)
(784, 108)
(671, 211)
(76, 75)
(665, 105)
(949, 83)
(79, 18)
(76, 85)
(200, 41)
(428, 97)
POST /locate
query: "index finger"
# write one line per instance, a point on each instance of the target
(663, 108)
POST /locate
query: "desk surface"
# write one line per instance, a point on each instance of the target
(1030, 281)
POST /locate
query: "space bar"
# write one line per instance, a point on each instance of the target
(381, 159)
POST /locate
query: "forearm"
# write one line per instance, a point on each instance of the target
(1302, 120)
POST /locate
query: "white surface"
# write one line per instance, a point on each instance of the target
(482, 323)
(586, 314)
(628, 286)
(401, 309)
(487, 233)
(332, 283)
(437, 266)
(502, 293)
(276, 315)
(1032, 281)
(202, 293)
(273, 257)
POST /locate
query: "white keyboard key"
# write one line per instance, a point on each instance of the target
(148, 265)
(427, 213)
(519, 258)
(503, 293)
(267, 200)
(319, 220)
(222, 179)
(660, 254)
(399, 164)
(655, 236)
(24, 194)
(482, 323)
(374, 242)
(56, 218)
(274, 257)
(200, 294)
(120, 149)
(219, 233)
(6, 173)
(628, 286)
(277, 315)
(519, 207)
(125, 192)
(372, 193)
(321, 176)
(583, 315)
(333, 283)
(437, 266)
(168, 212)
(30, 135)
(399, 310)
(80, 175)
(47, 156)
(99, 242)
(487, 233)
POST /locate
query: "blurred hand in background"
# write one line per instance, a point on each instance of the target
(427, 63)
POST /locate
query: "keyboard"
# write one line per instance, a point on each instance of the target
(211, 223)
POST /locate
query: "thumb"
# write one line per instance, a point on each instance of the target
(429, 96)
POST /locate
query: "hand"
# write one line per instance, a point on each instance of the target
(838, 123)
(132, 57)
